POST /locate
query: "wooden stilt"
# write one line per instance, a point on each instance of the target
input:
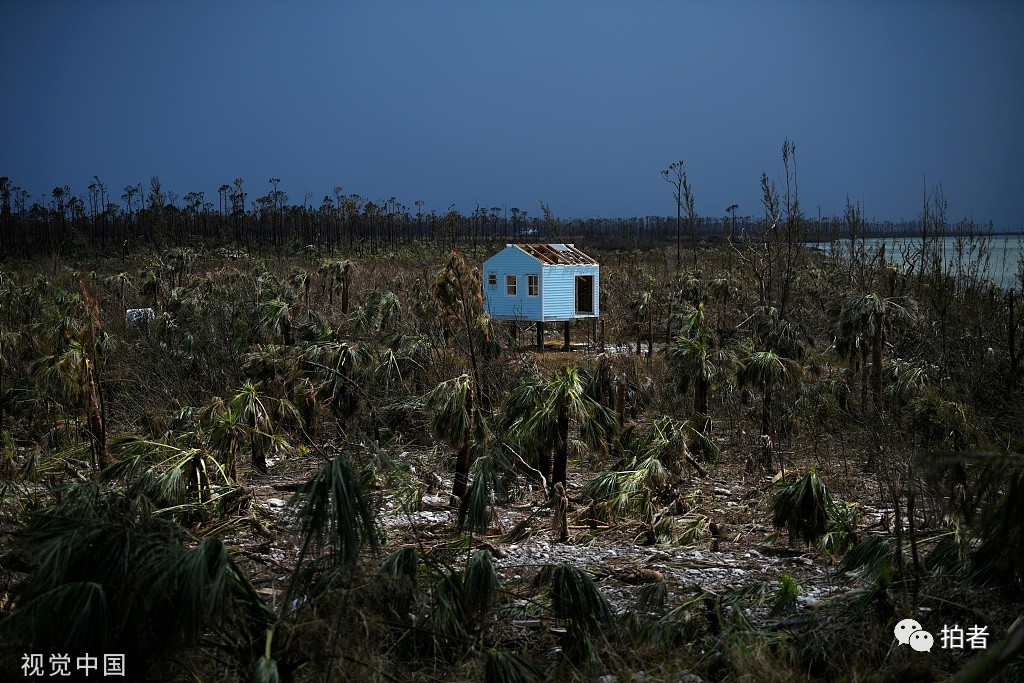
(540, 336)
(566, 333)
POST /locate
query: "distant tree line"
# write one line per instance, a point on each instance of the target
(105, 221)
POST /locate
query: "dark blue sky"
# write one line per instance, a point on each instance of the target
(577, 104)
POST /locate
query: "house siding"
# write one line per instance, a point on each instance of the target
(559, 285)
(512, 261)
(557, 296)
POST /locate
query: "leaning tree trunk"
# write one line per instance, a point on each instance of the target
(461, 483)
(766, 411)
(876, 366)
(1, 395)
(700, 395)
(259, 458)
(462, 458)
(650, 333)
(562, 456)
(94, 418)
(344, 292)
(544, 465)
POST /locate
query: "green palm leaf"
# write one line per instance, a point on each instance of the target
(335, 514)
(576, 598)
(506, 667)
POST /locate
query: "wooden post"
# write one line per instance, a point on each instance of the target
(566, 333)
(513, 334)
(540, 336)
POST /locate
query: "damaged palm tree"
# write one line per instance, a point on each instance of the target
(769, 372)
(458, 424)
(803, 508)
(869, 318)
(93, 394)
(548, 409)
(560, 510)
(457, 288)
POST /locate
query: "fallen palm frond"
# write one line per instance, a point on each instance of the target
(844, 518)
(676, 625)
(490, 473)
(1000, 557)
(507, 667)
(169, 475)
(652, 597)
(335, 514)
(614, 495)
(103, 572)
(950, 554)
(802, 508)
(577, 599)
(869, 559)
(784, 599)
(695, 529)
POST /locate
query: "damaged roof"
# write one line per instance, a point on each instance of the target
(557, 254)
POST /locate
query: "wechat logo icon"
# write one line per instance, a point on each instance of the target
(909, 632)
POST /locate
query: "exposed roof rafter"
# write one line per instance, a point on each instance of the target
(557, 254)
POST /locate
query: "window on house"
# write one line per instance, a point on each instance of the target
(510, 285)
(533, 285)
(492, 279)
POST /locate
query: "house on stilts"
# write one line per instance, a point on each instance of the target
(542, 283)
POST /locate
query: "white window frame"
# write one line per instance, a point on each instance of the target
(533, 285)
(492, 279)
(511, 285)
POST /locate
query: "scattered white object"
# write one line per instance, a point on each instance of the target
(139, 316)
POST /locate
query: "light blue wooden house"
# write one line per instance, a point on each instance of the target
(542, 283)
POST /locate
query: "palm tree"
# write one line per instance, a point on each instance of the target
(338, 274)
(871, 317)
(546, 411)
(692, 353)
(122, 281)
(227, 434)
(643, 311)
(335, 514)
(337, 364)
(454, 422)
(71, 374)
(301, 280)
(8, 342)
(768, 371)
(379, 313)
(261, 414)
(276, 319)
(803, 508)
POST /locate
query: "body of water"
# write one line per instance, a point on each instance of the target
(997, 258)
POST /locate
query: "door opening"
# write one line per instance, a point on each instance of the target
(584, 295)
